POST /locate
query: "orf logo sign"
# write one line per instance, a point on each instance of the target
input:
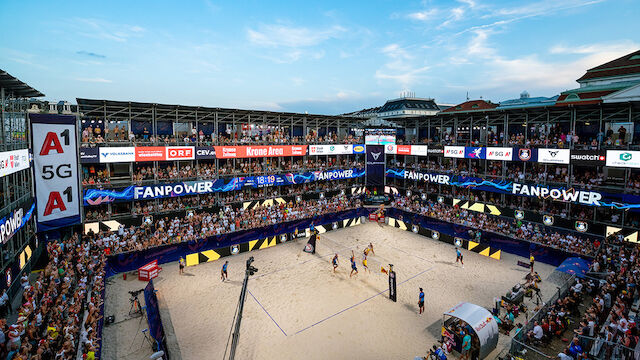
(180, 153)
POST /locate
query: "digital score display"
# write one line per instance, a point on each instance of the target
(380, 136)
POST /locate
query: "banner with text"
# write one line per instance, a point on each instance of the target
(574, 195)
(100, 196)
(233, 152)
(55, 170)
(13, 161)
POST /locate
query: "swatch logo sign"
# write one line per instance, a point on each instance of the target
(586, 156)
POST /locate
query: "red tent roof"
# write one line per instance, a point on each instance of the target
(472, 105)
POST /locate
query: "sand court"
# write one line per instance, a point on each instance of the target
(297, 307)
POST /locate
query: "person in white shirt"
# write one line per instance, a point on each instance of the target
(564, 355)
(577, 287)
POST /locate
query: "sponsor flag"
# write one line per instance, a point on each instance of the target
(311, 245)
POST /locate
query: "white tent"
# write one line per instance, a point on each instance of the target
(482, 323)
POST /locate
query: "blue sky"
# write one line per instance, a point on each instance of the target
(322, 57)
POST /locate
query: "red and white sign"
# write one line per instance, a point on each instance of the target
(181, 152)
(230, 152)
(391, 149)
(500, 153)
(454, 151)
(404, 150)
(149, 271)
(150, 153)
(13, 161)
(417, 150)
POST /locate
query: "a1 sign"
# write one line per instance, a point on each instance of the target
(55, 170)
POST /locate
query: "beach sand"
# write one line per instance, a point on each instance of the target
(297, 308)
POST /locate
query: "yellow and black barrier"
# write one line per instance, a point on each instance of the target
(476, 247)
(263, 243)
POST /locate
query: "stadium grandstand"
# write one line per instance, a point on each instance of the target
(117, 216)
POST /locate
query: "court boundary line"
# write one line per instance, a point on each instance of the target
(266, 312)
(361, 302)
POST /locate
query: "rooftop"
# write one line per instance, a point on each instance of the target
(472, 105)
(625, 65)
(16, 87)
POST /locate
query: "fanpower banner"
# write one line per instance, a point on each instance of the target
(10, 224)
(573, 195)
(98, 196)
(55, 170)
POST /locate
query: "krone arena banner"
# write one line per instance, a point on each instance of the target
(235, 152)
(97, 196)
(573, 195)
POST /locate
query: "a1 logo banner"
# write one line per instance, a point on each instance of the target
(55, 158)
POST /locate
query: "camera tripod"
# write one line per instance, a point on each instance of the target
(136, 308)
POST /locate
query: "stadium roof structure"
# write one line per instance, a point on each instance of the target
(131, 109)
(409, 104)
(15, 87)
(404, 107)
(526, 101)
(471, 106)
(592, 94)
(622, 66)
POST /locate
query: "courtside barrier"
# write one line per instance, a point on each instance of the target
(493, 241)
(133, 260)
(258, 244)
(476, 247)
(156, 330)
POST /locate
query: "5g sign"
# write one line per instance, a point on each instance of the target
(55, 170)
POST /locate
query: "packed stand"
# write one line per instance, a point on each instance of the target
(51, 321)
(514, 228)
(197, 226)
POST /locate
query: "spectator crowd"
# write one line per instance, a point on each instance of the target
(519, 229)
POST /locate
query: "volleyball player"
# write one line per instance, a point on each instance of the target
(335, 262)
(364, 260)
(421, 302)
(181, 265)
(223, 273)
(371, 249)
(459, 257)
(353, 265)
